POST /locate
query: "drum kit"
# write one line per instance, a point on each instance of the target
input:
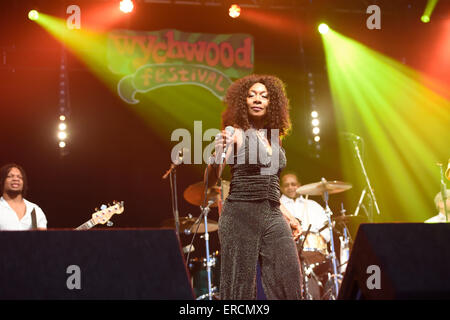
(321, 273)
(205, 284)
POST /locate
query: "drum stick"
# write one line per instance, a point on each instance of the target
(306, 235)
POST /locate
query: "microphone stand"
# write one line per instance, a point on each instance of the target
(330, 227)
(173, 188)
(363, 193)
(367, 178)
(204, 211)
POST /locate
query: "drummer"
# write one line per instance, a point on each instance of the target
(305, 210)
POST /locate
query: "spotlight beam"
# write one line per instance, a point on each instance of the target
(426, 16)
(400, 117)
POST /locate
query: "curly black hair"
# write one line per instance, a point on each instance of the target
(4, 171)
(236, 113)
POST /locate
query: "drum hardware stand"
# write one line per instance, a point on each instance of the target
(345, 240)
(189, 231)
(330, 227)
(443, 191)
(306, 271)
(374, 200)
(309, 271)
(345, 250)
(306, 294)
(330, 290)
(204, 211)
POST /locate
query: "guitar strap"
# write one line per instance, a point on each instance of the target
(33, 219)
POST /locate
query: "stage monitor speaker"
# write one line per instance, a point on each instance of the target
(399, 261)
(93, 264)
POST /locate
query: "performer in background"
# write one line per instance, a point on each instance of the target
(440, 217)
(307, 211)
(17, 213)
(254, 225)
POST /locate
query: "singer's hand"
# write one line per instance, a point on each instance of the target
(222, 139)
(296, 229)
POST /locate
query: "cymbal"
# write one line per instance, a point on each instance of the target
(188, 225)
(195, 192)
(318, 188)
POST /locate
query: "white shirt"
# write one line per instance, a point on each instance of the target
(10, 221)
(308, 212)
(440, 217)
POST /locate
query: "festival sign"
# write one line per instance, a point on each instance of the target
(150, 60)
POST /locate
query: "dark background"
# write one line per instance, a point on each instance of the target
(116, 154)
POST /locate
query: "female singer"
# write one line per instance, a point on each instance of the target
(253, 225)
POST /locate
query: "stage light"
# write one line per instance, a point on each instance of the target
(429, 8)
(62, 126)
(33, 15)
(316, 130)
(315, 122)
(323, 28)
(62, 144)
(317, 138)
(425, 19)
(62, 135)
(126, 6)
(314, 114)
(234, 11)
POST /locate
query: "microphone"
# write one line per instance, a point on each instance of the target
(181, 154)
(230, 130)
(350, 136)
(176, 161)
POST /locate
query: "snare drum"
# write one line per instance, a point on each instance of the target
(314, 248)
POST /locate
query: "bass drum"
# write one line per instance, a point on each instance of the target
(199, 276)
(314, 249)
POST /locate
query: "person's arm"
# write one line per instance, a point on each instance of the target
(292, 221)
(41, 219)
(212, 170)
(215, 170)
